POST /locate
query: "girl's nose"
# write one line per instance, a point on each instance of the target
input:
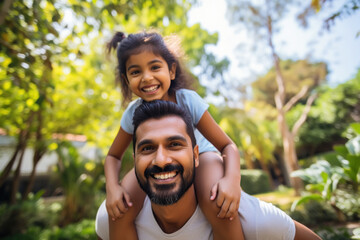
(161, 158)
(147, 76)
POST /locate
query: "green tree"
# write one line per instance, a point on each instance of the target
(348, 8)
(54, 77)
(329, 117)
(261, 19)
(297, 74)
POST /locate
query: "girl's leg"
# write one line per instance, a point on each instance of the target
(209, 172)
(124, 228)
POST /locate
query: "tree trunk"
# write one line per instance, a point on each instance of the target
(290, 158)
(7, 170)
(4, 10)
(16, 177)
(248, 162)
(38, 153)
(265, 168)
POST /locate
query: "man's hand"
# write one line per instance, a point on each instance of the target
(117, 202)
(227, 193)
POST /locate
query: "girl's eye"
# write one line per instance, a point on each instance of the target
(135, 72)
(155, 67)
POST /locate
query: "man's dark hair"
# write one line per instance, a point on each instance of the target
(157, 109)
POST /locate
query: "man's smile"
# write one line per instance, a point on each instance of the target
(165, 175)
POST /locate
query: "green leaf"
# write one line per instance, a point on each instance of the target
(302, 200)
(354, 164)
(341, 150)
(356, 127)
(356, 233)
(353, 146)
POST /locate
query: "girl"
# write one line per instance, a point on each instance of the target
(148, 69)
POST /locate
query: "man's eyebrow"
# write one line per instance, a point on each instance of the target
(151, 62)
(143, 142)
(169, 139)
(177, 137)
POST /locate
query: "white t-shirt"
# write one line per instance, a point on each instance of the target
(260, 221)
(187, 99)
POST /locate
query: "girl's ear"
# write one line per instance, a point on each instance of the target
(173, 71)
(125, 78)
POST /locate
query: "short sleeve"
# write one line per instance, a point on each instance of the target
(127, 117)
(263, 221)
(193, 102)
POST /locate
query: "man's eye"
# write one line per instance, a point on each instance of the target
(175, 144)
(147, 148)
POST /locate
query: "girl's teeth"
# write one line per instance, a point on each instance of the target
(150, 89)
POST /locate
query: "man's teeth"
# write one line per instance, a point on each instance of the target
(149, 89)
(164, 176)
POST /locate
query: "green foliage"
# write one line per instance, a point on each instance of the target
(84, 230)
(296, 74)
(253, 138)
(79, 179)
(330, 116)
(17, 218)
(314, 213)
(329, 233)
(356, 233)
(329, 181)
(255, 181)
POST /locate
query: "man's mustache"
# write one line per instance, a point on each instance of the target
(168, 168)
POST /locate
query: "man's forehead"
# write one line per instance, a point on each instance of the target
(165, 126)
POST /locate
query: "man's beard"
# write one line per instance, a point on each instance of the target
(162, 194)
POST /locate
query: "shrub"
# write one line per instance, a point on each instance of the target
(17, 218)
(84, 230)
(314, 213)
(255, 181)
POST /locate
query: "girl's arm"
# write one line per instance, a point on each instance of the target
(229, 186)
(116, 196)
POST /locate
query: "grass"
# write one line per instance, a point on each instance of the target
(283, 197)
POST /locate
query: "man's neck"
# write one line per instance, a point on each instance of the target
(173, 217)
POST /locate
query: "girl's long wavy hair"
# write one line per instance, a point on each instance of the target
(167, 48)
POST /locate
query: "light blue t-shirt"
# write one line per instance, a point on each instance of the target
(187, 99)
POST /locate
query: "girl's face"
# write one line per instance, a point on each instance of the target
(149, 76)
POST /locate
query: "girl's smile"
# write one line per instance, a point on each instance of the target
(149, 76)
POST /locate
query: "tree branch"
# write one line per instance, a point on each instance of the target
(4, 10)
(304, 114)
(295, 98)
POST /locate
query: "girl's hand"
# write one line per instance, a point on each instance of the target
(227, 193)
(117, 202)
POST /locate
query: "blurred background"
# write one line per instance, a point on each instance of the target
(282, 78)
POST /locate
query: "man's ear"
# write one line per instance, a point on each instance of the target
(196, 155)
(173, 71)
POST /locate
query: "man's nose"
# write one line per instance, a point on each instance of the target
(162, 157)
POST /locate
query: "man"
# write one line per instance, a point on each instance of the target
(166, 155)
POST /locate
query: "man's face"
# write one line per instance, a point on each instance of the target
(164, 159)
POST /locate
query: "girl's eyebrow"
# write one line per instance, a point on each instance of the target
(149, 63)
